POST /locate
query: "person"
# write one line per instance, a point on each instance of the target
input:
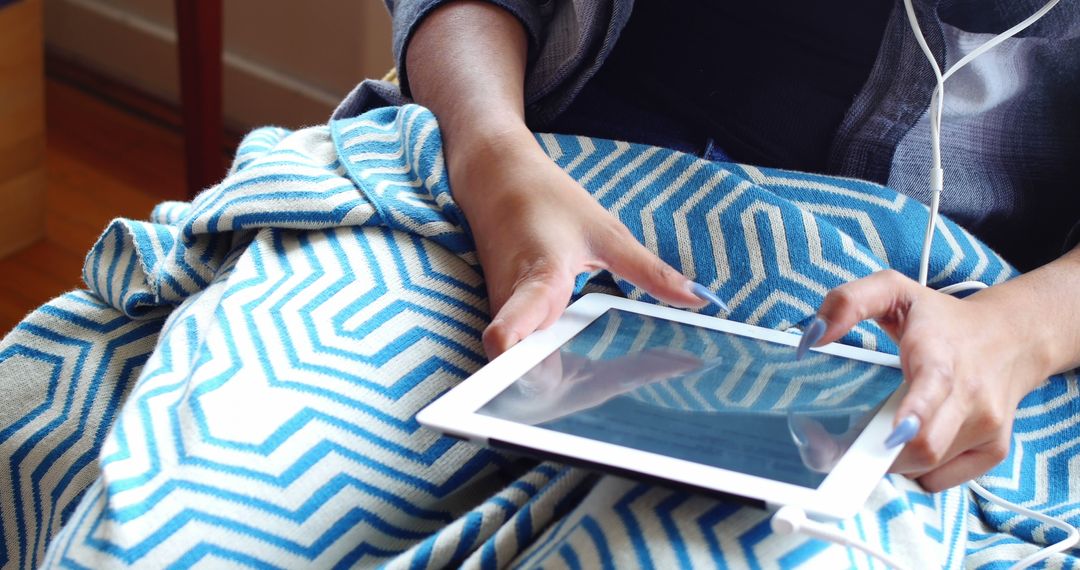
(240, 382)
(836, 89)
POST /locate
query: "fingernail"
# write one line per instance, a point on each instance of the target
(706, 295)
(904, 432)
(811, 335)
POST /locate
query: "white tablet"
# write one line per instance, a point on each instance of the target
(687, 400)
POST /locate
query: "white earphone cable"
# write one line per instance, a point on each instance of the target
(937, 105)
(1072, 535)
(791, 520)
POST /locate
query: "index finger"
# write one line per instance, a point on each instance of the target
(884, 296)
(627, 258)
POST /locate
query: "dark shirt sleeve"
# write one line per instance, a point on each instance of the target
(408, 14)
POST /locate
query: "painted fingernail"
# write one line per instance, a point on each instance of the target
(811, 335)
(706, 295)
(904, 432)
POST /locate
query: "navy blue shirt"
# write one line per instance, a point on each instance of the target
(771, 83)
(762, 83)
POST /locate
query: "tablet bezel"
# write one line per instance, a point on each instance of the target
(838, 497)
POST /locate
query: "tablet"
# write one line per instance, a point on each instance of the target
(687, 400)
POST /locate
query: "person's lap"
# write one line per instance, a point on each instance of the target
(276, 428)
(274, 422)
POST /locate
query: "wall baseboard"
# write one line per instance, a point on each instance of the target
(141, 52)
(128, 98)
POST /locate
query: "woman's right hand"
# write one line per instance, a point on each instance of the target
(536, 229)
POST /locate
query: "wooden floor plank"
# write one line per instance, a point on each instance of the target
(33, 276)
(143, 156)
(102, 163)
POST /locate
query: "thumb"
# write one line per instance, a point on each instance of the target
(536, 300)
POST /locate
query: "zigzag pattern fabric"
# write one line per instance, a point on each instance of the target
(238, 386)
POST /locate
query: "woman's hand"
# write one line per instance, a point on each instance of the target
(536, 229)
(968, 363)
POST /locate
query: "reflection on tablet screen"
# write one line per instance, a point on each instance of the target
(701, 395)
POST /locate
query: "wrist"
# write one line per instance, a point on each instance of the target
(1019, 333)
(478, 134)
(1040, 311)
(473, 152)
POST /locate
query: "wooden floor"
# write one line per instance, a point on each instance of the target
(103, 163)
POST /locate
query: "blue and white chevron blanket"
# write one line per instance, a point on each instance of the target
(238, 386)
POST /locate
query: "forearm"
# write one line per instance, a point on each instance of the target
(1042, 308)
(467, 64)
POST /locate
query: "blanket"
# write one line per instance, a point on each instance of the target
(238, 385)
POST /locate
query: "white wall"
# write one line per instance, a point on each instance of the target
(286, 62)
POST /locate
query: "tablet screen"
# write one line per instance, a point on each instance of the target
(702, 395)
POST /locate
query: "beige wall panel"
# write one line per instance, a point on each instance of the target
(286, 62)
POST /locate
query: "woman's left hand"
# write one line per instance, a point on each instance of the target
(965, 361)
